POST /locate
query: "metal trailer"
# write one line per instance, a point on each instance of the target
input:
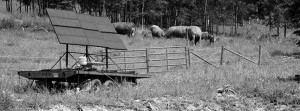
(89, 31)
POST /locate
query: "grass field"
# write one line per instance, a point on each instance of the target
(28, 49)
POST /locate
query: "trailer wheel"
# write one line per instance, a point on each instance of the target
(95, 86)
(109, 83)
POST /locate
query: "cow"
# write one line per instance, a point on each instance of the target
(209, 37)
(123, 28)
(156, 31)
(194, 34)
(176, 31)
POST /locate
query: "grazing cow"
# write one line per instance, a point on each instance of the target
(194, 34)
(156, 31)
(125, 28)
(209, 37)
(177, 31)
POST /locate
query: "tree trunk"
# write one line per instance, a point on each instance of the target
(175, 23)
(236, 20)
(278, 29)
(124, 11)
(143, 6)
(205, 16)
(270, 23)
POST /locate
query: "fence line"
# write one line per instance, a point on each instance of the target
(240, 55)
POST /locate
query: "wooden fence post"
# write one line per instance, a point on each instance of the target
(222, 51)
(167, 59)
(147, 60)
(186, 57)
(259, 54)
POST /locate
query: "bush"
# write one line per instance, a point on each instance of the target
(7, 23)
(26, 22)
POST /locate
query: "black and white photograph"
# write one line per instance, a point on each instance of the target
(149, 55)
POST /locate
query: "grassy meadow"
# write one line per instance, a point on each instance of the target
(30, 49)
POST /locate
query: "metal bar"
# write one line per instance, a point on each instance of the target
(177, 52)
(114, 64)
(59, 63)
(136, 68)
(176, 64)
(259, 54)
(58, 60)
(118, 57)
(176, 58)
(132, 62)
(222, 54)
(158, 66)
(157, 54)
(124, 61)
(87, 53)
(135, 50)
(204, 60)
(67, 55)
(240, 56)
(106, 56)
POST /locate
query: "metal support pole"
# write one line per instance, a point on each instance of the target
(60, 62)
(106, 56)
(222, 51)
(124, 60)
(87, 53)
(67, 55)
(259, 54)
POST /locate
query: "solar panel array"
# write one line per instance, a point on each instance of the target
(81, 29)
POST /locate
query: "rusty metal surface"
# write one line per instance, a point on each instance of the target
(81, 29)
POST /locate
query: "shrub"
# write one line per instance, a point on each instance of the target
(7, 23)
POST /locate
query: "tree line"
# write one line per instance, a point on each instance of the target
(166, 13)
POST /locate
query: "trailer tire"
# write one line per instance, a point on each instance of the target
(95, 86)
(109, 83)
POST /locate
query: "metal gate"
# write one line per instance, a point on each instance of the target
(150, 60)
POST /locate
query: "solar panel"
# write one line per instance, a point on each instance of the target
(81, 29)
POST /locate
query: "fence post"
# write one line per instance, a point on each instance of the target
(186, 59)
(167, 58)
(259, 54)
(222, 51)
(189, 56)
(147, 60)
(124, 60)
